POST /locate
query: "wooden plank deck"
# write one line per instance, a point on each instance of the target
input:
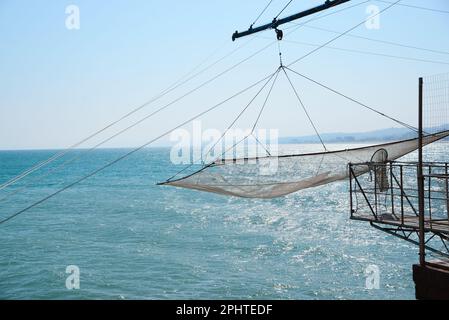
(434, 225)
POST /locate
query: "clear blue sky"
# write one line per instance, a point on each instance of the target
(58, 86)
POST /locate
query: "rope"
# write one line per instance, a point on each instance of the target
(305, 110)
(263, 11)
(392, 43)
(355, 101)
(261, 111)
(128, 153)
(240, 114)
(370, 53)
(169, 89)
(229, 127)
(285, 7)
(416, 7)
(326, 15)
(255, 124)
(280, 54)
(151, 141)
(266, 100)
(313, 51)
(342, 34)
(65, 151)
(261, 144)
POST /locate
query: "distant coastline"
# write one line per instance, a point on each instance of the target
(376, 136)
(390, 134)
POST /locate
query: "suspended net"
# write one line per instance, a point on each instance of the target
(275, 176)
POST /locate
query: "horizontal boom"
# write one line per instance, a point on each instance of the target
(276, 23)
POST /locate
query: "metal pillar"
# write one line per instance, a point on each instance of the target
(422, 248)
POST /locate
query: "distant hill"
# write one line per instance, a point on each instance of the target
(389, 134)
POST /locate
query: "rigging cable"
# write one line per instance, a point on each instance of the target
(260, 15)
(280, 54)
(293, 24)
(260, 114)
(416, 7)
(342, 34)
(334, 39)
(169, 89)
(275, 74)
(338, 37)
(283, 9)
(354, 100)
(138, 122)
(252, 131)
(378, 54)
(305, 109)
(143, 146)
(62, 153)
(241, 113)
(127, 115)
(265, 102)
(378, 40)
(133, 151)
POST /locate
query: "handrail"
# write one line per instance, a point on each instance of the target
(381, 200)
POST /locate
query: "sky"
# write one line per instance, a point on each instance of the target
(59, 85)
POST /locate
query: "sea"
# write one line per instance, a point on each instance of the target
(119, 235)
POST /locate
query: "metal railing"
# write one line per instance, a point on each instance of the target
(386, 194)
(389, 190)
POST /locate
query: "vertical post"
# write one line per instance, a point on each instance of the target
(350, 190)
(422, 253)
(376, 168)
(429, 201)
(402, 193)
(447, 190)
(392, 189)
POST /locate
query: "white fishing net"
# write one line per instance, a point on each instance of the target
(275, 176)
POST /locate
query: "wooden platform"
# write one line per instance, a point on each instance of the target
(412, 222)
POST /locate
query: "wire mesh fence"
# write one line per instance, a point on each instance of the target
(436, 103)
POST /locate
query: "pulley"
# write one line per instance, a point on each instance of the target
(279, 34)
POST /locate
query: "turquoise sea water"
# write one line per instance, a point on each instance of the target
(132, 239)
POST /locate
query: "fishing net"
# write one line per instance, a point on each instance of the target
(275, 176)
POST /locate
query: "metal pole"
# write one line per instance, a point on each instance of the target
(402, 194)
(375, 188)
(392, 189)
(350, 191)
(429, 194)
(447, 191)
(422, 252)
(276, 23)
